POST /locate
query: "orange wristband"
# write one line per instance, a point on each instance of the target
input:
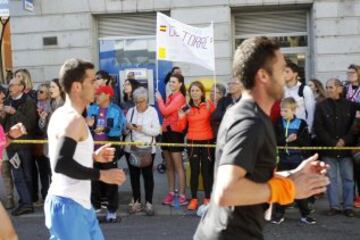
(282, 190)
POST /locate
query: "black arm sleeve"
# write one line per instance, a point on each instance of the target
(67, 165)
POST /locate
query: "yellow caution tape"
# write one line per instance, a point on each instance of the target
(121, 143)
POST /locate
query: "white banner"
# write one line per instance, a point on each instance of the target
(176, 41)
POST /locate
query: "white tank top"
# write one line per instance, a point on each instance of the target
(61, 185)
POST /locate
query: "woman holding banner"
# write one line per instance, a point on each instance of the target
(172, 133)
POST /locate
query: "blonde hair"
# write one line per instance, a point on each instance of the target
(26, 77)
(288, 102)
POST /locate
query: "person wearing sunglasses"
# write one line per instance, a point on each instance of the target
(42, 163)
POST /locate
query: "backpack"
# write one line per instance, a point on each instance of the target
(301, 90)
(301, 94)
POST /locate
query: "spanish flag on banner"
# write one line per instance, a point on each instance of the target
(163, 28)
(162, 53)
(175, 42)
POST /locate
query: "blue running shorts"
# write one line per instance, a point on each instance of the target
(68, 220)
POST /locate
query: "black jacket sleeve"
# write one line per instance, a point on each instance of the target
(303, 136)
(322, 134)
(67, 165)
(219, 112)
(350, 137)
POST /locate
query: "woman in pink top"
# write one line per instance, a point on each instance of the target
(172, 133)
(6, 228)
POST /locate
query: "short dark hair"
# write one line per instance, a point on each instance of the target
(252, 55)
(290, 64)
(167, 77)
(221, 88)
(73, 70)
(104, 75)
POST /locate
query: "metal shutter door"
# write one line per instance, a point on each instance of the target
(273, 22)
(125, 25)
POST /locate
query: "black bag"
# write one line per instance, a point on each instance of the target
(140, 157)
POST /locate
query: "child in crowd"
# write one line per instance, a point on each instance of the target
(291, 131)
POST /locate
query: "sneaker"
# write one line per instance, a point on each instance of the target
(357, 202)
(182, 200)
(9, 203)
(277, 219)
(333, 211)
(168, 199)
(20, 210)
(206, 201)
(38, 203)
(201, 210)
(308, 220)
(111, 217)
(193, 205)
(149, 210)
(349, 213)
(135, 207)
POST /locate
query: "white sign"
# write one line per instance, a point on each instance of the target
(139, 73)
(176, 41)
(4, 8)
(29, 5)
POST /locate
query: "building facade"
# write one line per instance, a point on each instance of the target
(322, 36)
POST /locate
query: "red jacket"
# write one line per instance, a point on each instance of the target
(169, 111)
(198, 119)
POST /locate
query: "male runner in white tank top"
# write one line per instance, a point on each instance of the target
(68, 211)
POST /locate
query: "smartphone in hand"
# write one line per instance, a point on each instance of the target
(185, 108)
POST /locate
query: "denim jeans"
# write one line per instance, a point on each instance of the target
(345, 165)
(23, 175)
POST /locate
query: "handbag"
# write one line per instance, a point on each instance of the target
(140, 156)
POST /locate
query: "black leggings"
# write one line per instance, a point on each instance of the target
(201, 157)
(147, 173)
(98, 189)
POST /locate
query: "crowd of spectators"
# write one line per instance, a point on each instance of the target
(308, 115)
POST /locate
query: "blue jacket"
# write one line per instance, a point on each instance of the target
(115, 113)
(283, 129)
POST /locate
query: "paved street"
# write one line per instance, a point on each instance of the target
(178, 227)
(178, 224)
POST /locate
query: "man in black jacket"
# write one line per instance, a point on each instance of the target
(333, 120)
(21, 108)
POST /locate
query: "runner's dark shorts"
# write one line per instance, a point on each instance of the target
(172, 137)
